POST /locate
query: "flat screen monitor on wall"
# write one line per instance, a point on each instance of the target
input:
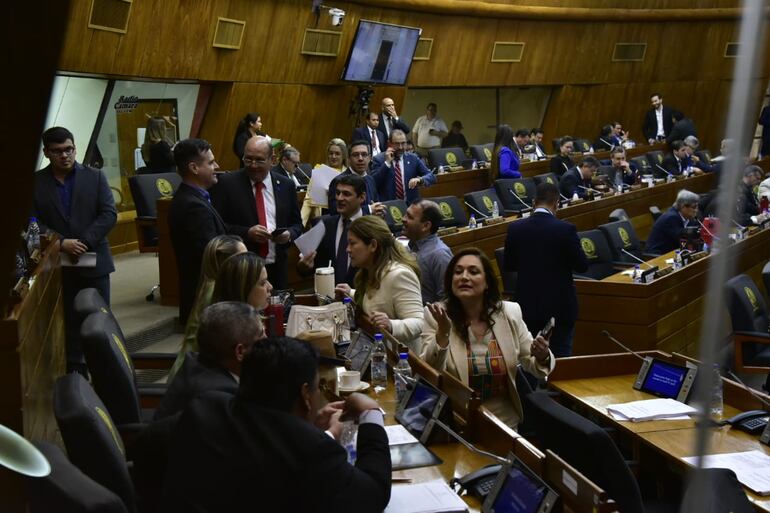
(381, 53)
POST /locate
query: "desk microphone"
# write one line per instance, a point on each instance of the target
(485, 216)
(618, 342)
(565, 198)
(303, 173)
(738, 225)
(749, 389)
(707, 230)
(519, 198)
(589, 189)
(664, 170)
(427, 413)
(636, 258)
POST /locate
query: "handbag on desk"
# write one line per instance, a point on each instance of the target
(332, 318)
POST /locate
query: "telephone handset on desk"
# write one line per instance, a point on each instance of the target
(752, 421)
(479, 482)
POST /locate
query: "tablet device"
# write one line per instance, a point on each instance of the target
(421, 404)
(519, 490)
(359, 352)
(665, 379)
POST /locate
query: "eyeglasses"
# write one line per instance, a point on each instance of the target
(69, 150)
(254, 162)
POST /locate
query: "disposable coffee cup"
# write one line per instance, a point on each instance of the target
(324, 281)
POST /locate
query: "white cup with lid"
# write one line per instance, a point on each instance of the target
(324, 281)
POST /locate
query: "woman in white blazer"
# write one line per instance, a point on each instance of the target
(479, 339)
(387, 282)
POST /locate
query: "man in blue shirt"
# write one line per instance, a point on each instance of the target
(421, 222)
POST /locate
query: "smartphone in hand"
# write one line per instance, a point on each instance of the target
(547, 329)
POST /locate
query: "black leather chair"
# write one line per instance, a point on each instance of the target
(482, 152)
(483, 201)
(67, 489)
(642, 164)
(704, 155)
(509, 277)
(582, 145)
(655, 158)
(588, 448)
(619, 214)
(750, 323)
(622, 236)
(546, 177)
(91, 438)
(598, 253)
(395, 210)
(452, 212)
(524, 189)
(446, 157)
(655, 213)
(715, 490)
(146, 191)
(766, 278)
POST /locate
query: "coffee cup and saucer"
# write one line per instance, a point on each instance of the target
(350, 381)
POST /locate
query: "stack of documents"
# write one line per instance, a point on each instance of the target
(430, 497)
(651, 409)
(752, 468)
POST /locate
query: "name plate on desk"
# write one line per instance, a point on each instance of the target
(449, 230)
(493, 220)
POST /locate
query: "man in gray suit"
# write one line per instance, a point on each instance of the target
(75, 201)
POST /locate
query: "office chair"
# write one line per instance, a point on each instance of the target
(483, 201)
(750, 322)
(717, 492)
(452, 212)
(509, 277)
(67, 489)
(445, 157)
(599, 256)
(90, 437)
(582, 145)
(655, 213)
(482, 152)
(524, 189)
(655, 158)
(642, 164)
(395, 210)
(546, 177)
(766, 278)
(704, 155)
(588, 448)
(619, 214)
(622, 236)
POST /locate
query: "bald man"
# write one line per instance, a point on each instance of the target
(389, 119)
(261, 206)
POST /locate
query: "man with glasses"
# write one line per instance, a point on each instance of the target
(359, 158)
(261, 207)
(288, 166)
(75, 201)
(666, 233)
(399, 173)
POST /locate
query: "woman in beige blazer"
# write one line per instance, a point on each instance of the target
(387, 282)
(479, 339)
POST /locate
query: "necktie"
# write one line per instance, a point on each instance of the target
(375, 142)
(399, 179)
(341, 265)
(261, 215)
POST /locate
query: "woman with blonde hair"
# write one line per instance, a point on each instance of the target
(243, 278)
(387, 282)
(336, 158)
(156, 150)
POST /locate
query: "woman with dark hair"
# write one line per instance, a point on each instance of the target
(506, 163)
(605, 142)
(387, 282)
(562, 162)
(243, 278)
(248, 127)
(479, 339)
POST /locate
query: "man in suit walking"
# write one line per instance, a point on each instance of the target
(399, 173)
(682, 128)
(544, 251)
(370, 133)
(261, 207)
(75, 201)
(657, 121)
(192, 220)
(389, 119)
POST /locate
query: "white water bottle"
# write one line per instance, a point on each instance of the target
(716, 408)
(495, 210)
(402, 374)
(472, 223)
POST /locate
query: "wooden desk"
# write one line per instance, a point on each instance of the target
(665, 314)
(530, 169)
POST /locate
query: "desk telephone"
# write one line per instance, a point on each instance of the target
(752, 421)
(479, 482)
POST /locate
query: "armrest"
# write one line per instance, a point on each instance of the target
(748, 337)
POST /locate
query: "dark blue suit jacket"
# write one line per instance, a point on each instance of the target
(399, 124)
(92, 214)
(570, 182)
(544, 251)
(371, 192)
(327, 251)
(363, 134)
(666, 233)
(384, 177)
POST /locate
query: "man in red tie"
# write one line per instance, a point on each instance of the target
(370, 132)
(398, 173)
(261, 206)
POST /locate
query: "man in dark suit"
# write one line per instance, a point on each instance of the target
(621, 166)
(667, 231)
(748, 204)
(75, 201)
(398, 173)
(266, 448)
(359, 158)
(261, 207)
(370, 133)
(192, 221)
(657, 121)
(350, 195)
(544, 251)
(682, 128)
(389, 120)
(578, 179)
(288, 166)
(677, 162)
(226, 333)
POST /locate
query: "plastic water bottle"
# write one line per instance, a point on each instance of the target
(472, 223)
(619, 181)
(33, 235)
(379, 362)
(351, 310)
(677, 260)
(717, 403)
(495, 210)
(401, 375)
(348, 440)
(637, 276)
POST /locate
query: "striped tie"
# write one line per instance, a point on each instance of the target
(399, 179)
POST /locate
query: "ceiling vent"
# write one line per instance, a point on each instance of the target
(507, 52)
(629, 52)
(229, 34)
(322, 43)
(110, 15)
(424, 47)
(732, 50)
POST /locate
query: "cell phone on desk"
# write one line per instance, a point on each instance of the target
(547, 329)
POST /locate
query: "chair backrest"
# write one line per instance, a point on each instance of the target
(66, 488)
(483, 201)
(598, 253)
(619, 214)
(90, 437)
(546, 177)
(446, 157)
(523, 187)
(509, 277)
(642, 164)
(588, 448)
(704, 155)
(452, 212)
(395, 210)
(748, 310)
(147, 189)
(88, 301)
(622, 236)
(577, 491)
(715, 490)
(111, 368)
(655, 213)
(766, 278)
(655, 158)
(482, 152)
(582, 145)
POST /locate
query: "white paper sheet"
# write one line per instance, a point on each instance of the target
(398, 435)
(751, 467)
(311, 239)
(430, 497)
(319, 185)
(651, 409)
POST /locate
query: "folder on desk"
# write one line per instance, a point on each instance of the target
(430, 497)
(650, 409)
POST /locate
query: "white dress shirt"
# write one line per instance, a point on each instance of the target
(268, 197)
(339, 232)
(375, 140)
(659, 119)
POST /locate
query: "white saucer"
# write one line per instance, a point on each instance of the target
(360, 388)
